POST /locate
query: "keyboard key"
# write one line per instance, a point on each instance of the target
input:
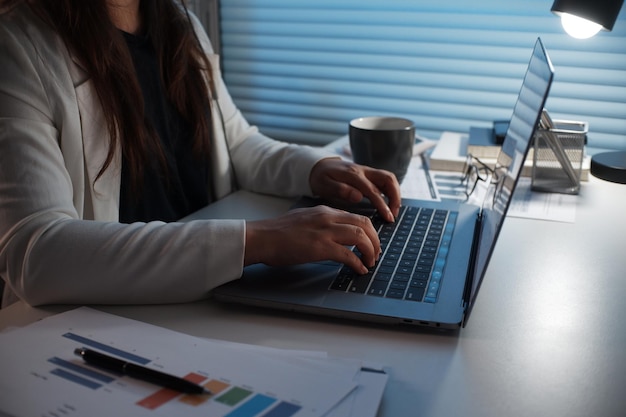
(385, 270)
(395, 293)
(404, 270)
(396, 285)
(409, 257)
(377, 288)
(382, 277)
(422, 268)
(416, 283)
(402, 278)
(393, 256)
(341, 283)
(415, 294)
(389, 262)
(426, 261)
(360, 283)
(406, 264)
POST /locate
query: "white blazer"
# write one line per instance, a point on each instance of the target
(60, 239)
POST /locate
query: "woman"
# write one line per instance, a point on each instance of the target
(114, 123)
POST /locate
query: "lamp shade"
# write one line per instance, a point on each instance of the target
(602, 12)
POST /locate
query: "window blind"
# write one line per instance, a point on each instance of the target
(301, 69)
(208, 13)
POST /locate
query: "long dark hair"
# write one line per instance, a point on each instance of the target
(86, 29)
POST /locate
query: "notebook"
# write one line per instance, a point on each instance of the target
(434, 255)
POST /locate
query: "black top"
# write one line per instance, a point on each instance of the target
(187, 187)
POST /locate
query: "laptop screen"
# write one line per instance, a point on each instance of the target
(523, 123)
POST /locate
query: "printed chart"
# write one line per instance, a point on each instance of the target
(242, 382)
(238, 401)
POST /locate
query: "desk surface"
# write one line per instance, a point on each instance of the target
(547, 336)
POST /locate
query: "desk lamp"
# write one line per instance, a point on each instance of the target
(582, 19)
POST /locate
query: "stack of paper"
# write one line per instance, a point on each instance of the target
(41, 376)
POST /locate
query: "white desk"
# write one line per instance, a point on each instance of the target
(547, 337)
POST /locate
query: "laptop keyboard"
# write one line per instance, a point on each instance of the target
(414, 252)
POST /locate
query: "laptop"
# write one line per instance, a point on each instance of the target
(434, 256)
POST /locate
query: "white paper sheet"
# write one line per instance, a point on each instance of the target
(42, 377)
(542, 206)
(418, 182)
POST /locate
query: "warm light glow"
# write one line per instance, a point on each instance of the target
(578, 27)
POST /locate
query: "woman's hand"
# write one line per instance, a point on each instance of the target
(336, 178)
(312, 234)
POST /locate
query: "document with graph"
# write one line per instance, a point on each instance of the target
(41, 375)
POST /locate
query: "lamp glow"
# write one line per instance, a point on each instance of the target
(609, 166)
(578, 27)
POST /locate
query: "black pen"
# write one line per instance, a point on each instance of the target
(139, 372)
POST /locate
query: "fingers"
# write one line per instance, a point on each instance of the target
(376, 184)
(352, 182)
(391, 189)
(313, 234)
(358, 231)
(350, 259)
(342, 229)
(385, 183)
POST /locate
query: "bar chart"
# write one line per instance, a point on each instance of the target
(228, 399)
(43, 376)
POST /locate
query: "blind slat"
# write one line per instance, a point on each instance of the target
(301, 69)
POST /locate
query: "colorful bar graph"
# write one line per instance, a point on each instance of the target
(70, 366)
(216, 386)
(284, 409)
(233, 396)
(213, 385)
(106, 348)
(252, 407)
(165, 395)
(242, 402)
(75, 378)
